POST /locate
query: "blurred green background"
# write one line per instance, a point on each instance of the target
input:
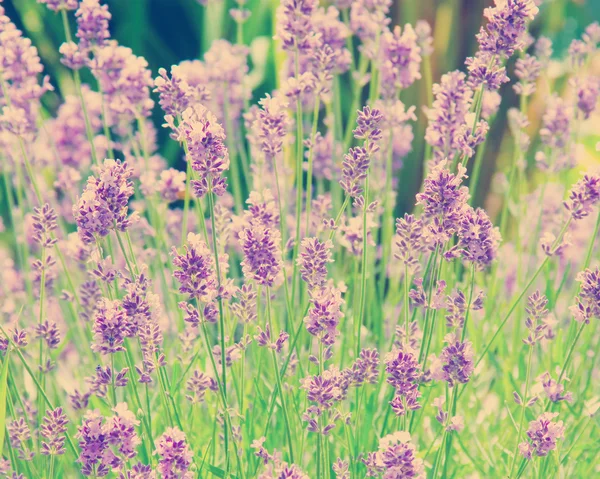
(166, 32)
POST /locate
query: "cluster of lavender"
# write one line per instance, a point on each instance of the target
(246, 317)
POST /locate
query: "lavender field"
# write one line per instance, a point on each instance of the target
(299, 239)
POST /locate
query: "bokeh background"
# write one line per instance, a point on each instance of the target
(166, 32)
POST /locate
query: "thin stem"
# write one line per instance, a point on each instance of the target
(309, 178)
(523, 406)
(299, 189)
(278, 377)
(363, 280)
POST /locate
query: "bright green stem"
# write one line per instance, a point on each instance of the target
(339, 215)
(309, 178)
(523, 406)
(590, 249)
(279, 384)
(363, 278)
(299, 189)
(211, 207)
(438, 456)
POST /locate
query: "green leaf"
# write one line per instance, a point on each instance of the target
(3, 391)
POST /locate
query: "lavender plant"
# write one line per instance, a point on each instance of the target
(266, 306)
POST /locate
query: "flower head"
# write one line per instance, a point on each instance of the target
(542, 434)
(104, 203)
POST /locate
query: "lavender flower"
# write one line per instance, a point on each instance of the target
(110, 327)
(409, 241)
(542, 434)
(262, 254)
(198, 384)
(294, 25)
(313, 259)
(506, 28)
(245, 309)
(49, 333)
(207, 151)
(400, 60)
(92, 24)
(527, 70)
(270, 124)
(356, 163)
(20, 66)
(555, 391)
(366, 368)
(588, 300)
(325, 313)
(588, 91)
(583, 197)
(536, 313)
(125, 81)
(478, 238)
(455, 364)
(175, 455)
(58, 5)
(93, 443)
(404, 373)
(44, 222)
(444, 200)
(175, 94)
(104, 203)
(396, 458)
(447, 114)
(196, 270)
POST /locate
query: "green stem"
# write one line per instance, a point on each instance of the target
(299, 188)
(363, 279)
(309, 178)
(279, 383)
(523, 406)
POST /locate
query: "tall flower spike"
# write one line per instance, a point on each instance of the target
(53, 430)
(92, 24)
(542, 434)
(175, 456)
(313, 259)
(478, 238)
(396, 458)
(262, 253)
(588, 300)
(103, 205)
(447, 114)
(205, 139)
(455, 364)
(325, 313)
(196, 270)
(583, 197)
(400, 60)
(110, 327)
(294, 24)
